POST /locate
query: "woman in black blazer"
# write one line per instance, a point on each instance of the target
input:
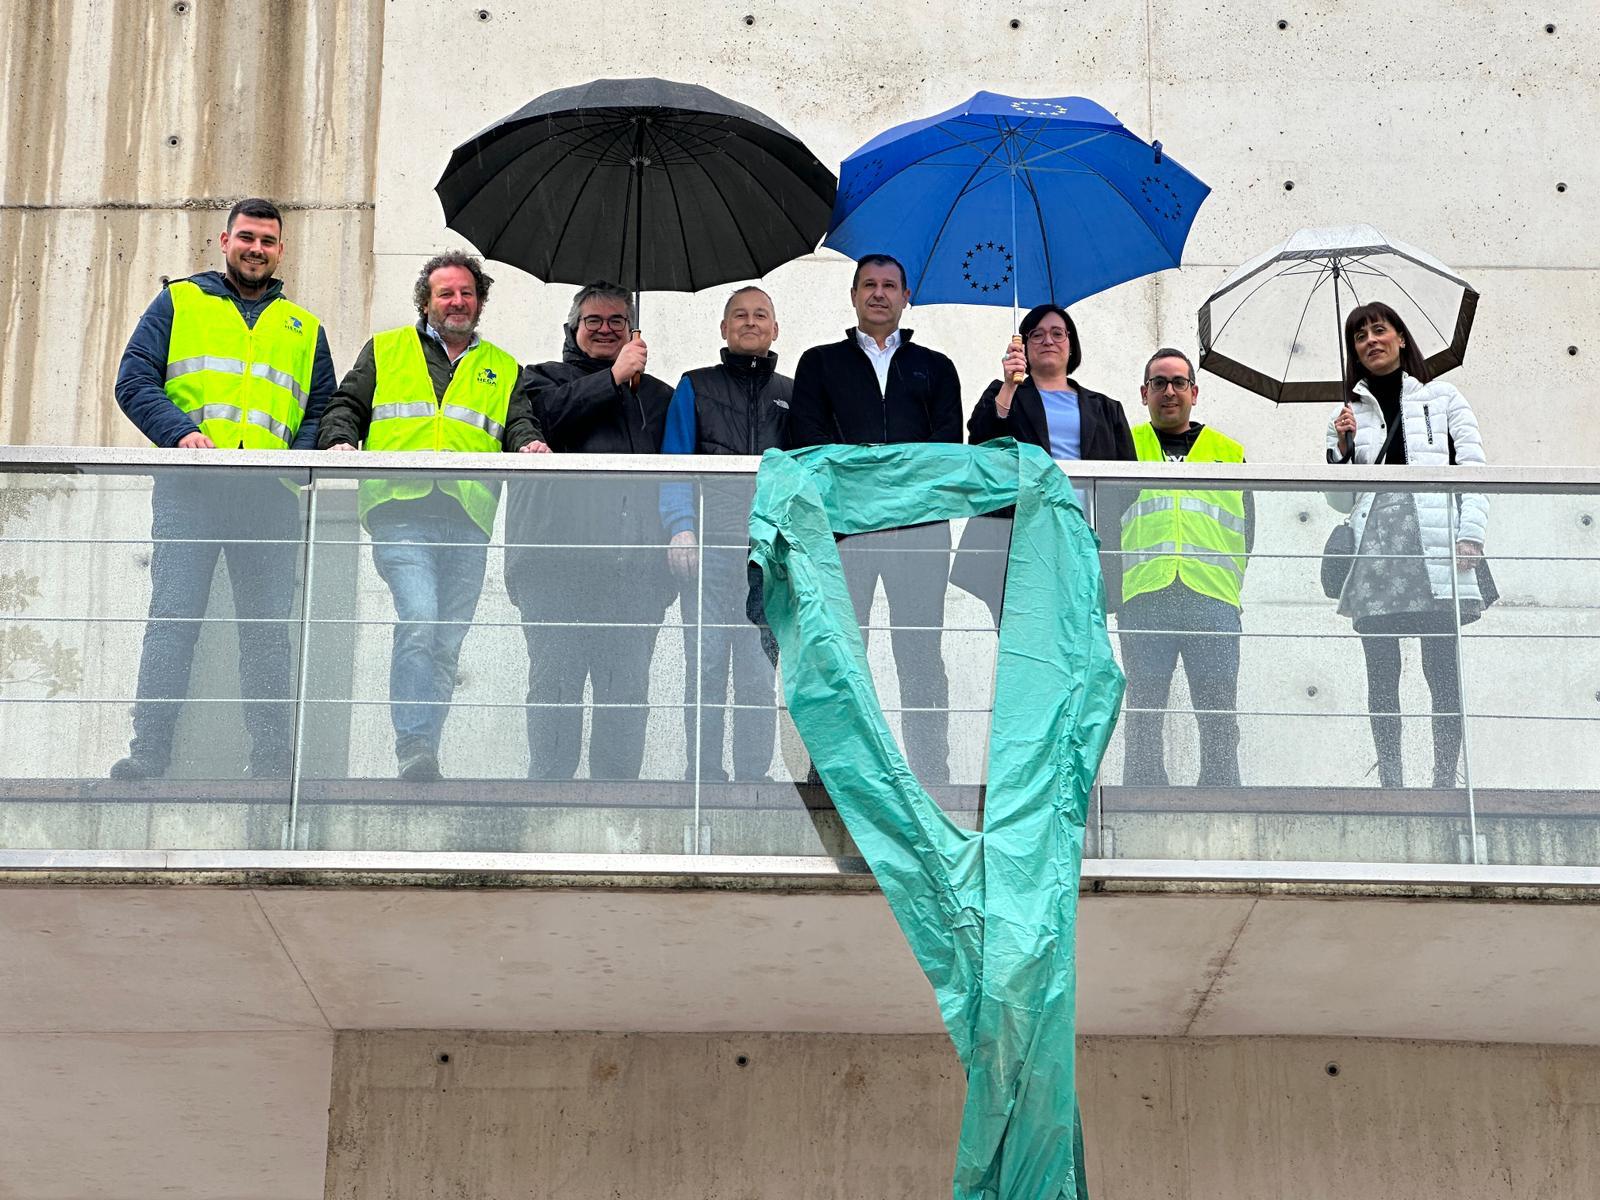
(1053, 411)
(1049, 408)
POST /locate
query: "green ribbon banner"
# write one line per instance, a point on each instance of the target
(990, 916)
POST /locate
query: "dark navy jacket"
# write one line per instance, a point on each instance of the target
(141, 378)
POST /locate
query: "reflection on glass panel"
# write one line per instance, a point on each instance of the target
(1531, 673)
(515, 687)
(148, 657)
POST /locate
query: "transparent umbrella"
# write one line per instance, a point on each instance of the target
(1276, 326)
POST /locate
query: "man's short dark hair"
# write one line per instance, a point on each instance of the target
(423, 291)
(750, 287)
(601, 290)
(1167, 352)
(878, 260)
(258, 207)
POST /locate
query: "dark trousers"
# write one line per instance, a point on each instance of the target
(580, 591)
(253, 522)
(1157, 629)
(914, 564)
(727, 639)
(1439, 668)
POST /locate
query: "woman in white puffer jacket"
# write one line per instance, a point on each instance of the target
(1416, 552)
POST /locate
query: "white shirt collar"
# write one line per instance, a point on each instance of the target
(436, 336)
(870, 343)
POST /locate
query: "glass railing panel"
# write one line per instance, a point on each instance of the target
(1246, 730)
(518, 687)
(1530, 668)
(149, 659)
(921, 600)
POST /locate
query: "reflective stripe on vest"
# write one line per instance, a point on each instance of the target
(1197, 537)
(406, 416)
(244, 386)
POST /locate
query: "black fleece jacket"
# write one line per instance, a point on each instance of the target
(837, 399)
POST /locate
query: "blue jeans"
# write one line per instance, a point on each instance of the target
(252, 520)
(433, 560)
(1157, 628)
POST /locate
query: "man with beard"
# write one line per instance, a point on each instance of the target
(874, 387)
(433, 386)
(223, 361)
(739, 406)
(584, 557)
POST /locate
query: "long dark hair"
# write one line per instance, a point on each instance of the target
(1411, 360)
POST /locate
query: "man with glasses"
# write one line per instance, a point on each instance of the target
(877, 386)
(1184, 555)
(585, 558)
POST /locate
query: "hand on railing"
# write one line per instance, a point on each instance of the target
(534, 447)
(196, 441)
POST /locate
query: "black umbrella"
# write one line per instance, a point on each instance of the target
(667, 186)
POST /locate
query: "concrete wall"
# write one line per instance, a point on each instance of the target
(793, 1117)
(1450, 127)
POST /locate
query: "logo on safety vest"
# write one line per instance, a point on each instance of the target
(487, 375)
(293, 325)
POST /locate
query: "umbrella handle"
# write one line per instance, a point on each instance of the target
(1018, 376)
(637, 375)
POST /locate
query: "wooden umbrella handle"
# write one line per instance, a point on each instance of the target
(1017, 376)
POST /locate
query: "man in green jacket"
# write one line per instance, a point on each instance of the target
(435, 386)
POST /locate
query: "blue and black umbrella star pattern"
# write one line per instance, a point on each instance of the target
(986, 267)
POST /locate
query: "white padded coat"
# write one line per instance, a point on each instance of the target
(1431, 416)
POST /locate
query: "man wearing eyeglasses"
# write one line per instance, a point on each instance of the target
(585, 558)
(1184, 554)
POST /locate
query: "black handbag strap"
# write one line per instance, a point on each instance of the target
(1388, 442)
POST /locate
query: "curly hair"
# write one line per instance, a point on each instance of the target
(423, 291)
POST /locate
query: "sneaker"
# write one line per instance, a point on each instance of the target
(135, 766)
(421, 767)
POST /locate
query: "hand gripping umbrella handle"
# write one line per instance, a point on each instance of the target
(1017, 376)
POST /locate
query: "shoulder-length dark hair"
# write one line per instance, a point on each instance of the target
(1411, 360)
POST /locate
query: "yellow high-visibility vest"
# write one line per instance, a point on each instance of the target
(1193, 536)
(406, 416)
(243, 386)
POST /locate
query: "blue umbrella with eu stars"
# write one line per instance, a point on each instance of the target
(1007, 200)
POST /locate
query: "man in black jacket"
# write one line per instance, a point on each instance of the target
(877, 386)
(739, 406)
(584, 557)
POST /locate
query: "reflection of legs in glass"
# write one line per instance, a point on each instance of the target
(1211, 663)
(705, 649)
(755, 720)
(180, 586)
(262, 575)
(558, 665)
(435, 581)
(620, 673)
(1383, 703)
(1440, 669)
(914, 564)
(1149, 658)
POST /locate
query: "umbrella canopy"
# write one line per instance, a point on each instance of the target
(1013, 201)
(1276, 326)
(656, 185)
